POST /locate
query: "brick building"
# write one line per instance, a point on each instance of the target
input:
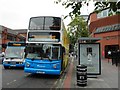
(107, 28)
(21, 33)
(7, 34)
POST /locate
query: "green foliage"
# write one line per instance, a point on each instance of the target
(99, 6)
(77, 28)
(75, 6)
(113, 7)
(118, 12)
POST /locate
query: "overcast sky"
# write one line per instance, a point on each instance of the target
(15, 14)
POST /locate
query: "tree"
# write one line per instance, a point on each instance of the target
(77, 28)
(99, 6)
(113, 7)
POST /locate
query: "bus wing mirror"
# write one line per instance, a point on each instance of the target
(49, 58)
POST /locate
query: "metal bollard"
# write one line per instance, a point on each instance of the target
(81, 75)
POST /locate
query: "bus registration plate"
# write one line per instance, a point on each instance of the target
(39, 72)
(13, 63)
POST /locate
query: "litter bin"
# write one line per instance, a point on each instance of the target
(81, 75)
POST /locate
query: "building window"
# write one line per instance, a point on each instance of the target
(12, 38)
(21, 39)
(99, 15)
(105, 13)
(102, 14)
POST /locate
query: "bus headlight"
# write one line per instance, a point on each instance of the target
(56, 66)
(20, 63)
(27, 64)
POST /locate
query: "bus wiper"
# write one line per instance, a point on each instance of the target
(49, 58)
(12, 57)
(32, 59)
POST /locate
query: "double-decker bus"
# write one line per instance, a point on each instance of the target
(14, 55)
(47, 49)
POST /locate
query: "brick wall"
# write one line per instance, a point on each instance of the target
(108, 38)
(5, 33)
(103, 22)
(93, 17)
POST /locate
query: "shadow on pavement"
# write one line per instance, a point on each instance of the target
(43, 76)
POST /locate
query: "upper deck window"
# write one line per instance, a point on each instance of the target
(45, 23)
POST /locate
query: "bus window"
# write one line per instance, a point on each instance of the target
(44, 36)
(55, 24)
(45, 23)
(36, 23)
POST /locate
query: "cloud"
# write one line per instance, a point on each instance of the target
(15, 14)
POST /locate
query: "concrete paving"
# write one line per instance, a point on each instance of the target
(0, 76)
(107, 79)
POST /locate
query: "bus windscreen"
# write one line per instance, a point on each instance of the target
(43, 52)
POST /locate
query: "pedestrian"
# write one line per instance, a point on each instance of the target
(113, 54)
(3, 53)
(109, 55)
(117, 57)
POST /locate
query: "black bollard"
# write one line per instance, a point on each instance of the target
(81, 75)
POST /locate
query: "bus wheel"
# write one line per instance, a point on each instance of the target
(58, 76)
(6, 67)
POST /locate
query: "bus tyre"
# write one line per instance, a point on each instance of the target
(6, 67)
(58, 76)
